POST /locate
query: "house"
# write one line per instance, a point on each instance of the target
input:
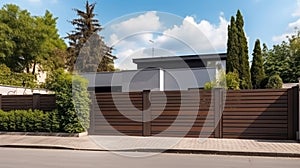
(161, 74)
(186, 61)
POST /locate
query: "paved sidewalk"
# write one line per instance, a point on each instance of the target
(160, 144)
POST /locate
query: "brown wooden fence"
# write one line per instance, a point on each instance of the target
(24, 102)
(182, 113)
(112, 116)
(256, 114)
(259, 114)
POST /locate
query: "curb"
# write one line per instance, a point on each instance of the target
(49, 147)
(178, 151)
(46, 134)
(236, 153)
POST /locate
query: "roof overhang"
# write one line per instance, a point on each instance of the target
(206, 57)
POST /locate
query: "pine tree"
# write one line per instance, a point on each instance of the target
(257, 69)
(244, 72)
(106, 64)
(86, 42)
(232, 63)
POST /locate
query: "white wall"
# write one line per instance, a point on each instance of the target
(10, 90)
(141, 80)
(135, 80)
(184, 79)
(153, 79)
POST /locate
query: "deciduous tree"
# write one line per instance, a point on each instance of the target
(284, 60)
(27, 41)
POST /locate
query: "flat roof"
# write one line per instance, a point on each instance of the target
(215, 56)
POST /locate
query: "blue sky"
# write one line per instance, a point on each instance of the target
(129, 25)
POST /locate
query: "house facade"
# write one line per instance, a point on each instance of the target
(160, 74)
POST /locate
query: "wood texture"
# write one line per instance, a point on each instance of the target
(117, 114)
(258, 114)
(25, 102)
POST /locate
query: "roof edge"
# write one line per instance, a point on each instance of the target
(184, 57)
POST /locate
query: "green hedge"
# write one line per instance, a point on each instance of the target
(29, 121)
(72, 100)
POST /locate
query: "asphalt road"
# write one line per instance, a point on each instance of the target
(40, 158)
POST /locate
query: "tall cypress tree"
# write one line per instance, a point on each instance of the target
(257, 69)
(244, 72)
(232, 63)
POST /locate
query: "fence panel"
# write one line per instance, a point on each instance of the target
(26, 102)
(117, 113)
(182, 113)
(256, 114)
(16, 102)
(47, 102)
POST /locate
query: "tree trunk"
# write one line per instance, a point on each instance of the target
(33, 68)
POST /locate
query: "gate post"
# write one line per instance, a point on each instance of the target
(218, 94)
(0, 101)
(296, 111)
(293, 110)
(36, 101)
(146, 113)
(91, 129)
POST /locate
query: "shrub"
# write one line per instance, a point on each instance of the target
(274, 82)
(29, 121)
(209, 85)
(72, 99)
(7, 77)
(228, 81)
(232, 81)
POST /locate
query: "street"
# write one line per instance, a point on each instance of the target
(42, 158)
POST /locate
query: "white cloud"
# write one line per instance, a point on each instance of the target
(296, 13)
(280, 38)
(291, 30)
(125, 57)
(201, 37)
(131, 38)
(145, 22)
(148, 22)
(294, 25)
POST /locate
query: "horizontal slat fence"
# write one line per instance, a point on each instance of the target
(182, 113)
(256, 114)
(117, 111)
(26, 102)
